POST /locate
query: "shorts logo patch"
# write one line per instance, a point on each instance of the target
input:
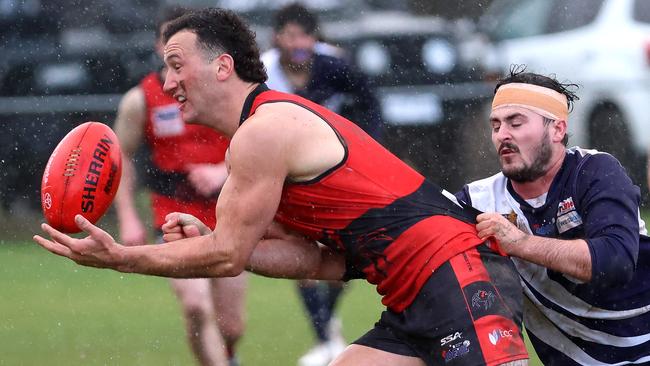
(483, 299)
(451, 337)
(498, 334)
(456, 350)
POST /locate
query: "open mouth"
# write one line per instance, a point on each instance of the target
(507, 150)
(181, 100)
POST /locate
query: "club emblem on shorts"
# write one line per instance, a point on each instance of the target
(450, 338)
(483, 299)
(498, 334)
(456, 350)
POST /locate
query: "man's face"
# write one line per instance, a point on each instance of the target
(190, 78)
(296, 46)
(522, 142)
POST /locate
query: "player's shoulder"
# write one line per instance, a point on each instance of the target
(277, 123)
(490, 183)
(592, 161)
(134, 97)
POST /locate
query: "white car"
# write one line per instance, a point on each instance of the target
(601, 45)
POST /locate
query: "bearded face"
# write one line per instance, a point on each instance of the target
(531, 167)
(523, 143)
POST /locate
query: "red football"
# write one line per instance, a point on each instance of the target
(82, 176)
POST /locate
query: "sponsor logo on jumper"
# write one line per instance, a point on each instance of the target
(167, 121)
(456, 350)
(568, 221)
(93, 174)
(450, 338)
(566, 206)
(543, 229)
(497, 334)
(483, 299)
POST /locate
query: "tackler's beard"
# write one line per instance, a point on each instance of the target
(536, 169)
(298, 59)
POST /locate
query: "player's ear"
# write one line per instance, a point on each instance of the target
(224, 66)
(558, 130)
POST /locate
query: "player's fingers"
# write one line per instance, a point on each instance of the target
(172, 216)
(92, 230)
(189, 220)
(172, 237)
(485, 233)
(171, 223)
(58, 236)
(53, 246)
(487, 216)
(482, 217)
(191, 231)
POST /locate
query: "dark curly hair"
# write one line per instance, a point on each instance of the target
(168, 14)
(298, 14)
(518, 74)
(222, 31)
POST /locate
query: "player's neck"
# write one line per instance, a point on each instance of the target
(541, 185)
(229, 109)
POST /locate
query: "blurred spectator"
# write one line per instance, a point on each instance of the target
(186, 175)
(303, 65)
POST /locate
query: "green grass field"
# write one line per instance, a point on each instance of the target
(57, 313)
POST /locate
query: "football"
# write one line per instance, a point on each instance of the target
(81, 176)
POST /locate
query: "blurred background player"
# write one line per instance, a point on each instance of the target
(186, 173)
(303, 65)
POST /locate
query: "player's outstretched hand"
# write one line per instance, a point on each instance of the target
(98, 249)
(181, 225)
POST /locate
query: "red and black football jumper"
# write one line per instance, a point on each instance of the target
(395, 229)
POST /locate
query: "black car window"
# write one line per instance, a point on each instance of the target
(642, 11)
(507, 19)
(567, 15)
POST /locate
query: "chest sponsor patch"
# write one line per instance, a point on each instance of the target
(568, 221)
(566, 206)
(167, 121)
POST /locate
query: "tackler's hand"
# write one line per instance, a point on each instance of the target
(181, 225)
(498, 227)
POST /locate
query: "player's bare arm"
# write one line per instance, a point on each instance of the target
(571, 257)
(263, 154)
(129, 128)
(281, 253)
